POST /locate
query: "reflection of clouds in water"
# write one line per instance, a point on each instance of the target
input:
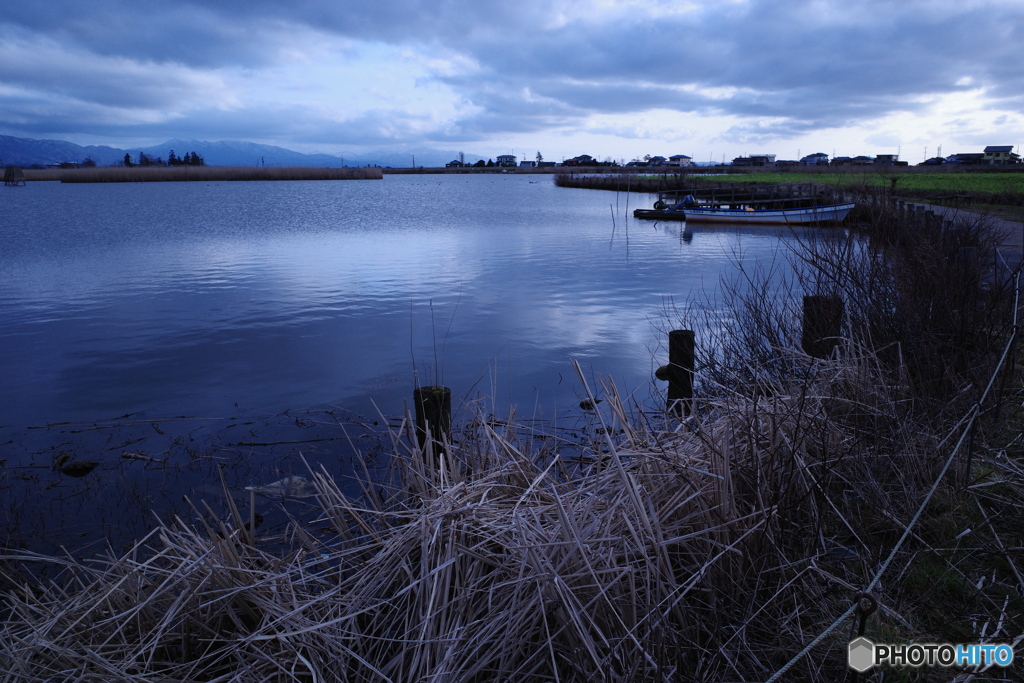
(478, 281)
(361, 263)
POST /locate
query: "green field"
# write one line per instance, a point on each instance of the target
(948, 183)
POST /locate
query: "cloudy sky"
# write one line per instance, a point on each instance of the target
(610, 78)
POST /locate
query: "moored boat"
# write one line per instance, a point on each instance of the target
(828, 213)
(748, 210)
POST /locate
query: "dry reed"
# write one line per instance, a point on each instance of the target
(633, 566)
(139, 174)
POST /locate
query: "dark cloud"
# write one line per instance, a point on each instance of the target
(794, 60)
(800, 66)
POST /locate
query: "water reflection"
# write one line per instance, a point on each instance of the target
(295, 294)
(213, 300)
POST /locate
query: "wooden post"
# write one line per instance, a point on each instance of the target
(433, 416)
(823, 323)
(680, 371)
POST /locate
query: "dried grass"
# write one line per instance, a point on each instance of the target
(139, 174)
(685, 552)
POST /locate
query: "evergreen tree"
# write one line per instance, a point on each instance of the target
(128, 160)
(172, 160)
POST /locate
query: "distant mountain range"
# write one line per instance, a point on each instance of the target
(28, 152)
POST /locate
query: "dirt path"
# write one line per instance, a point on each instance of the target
(1011, 232)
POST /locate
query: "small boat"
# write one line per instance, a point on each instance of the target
(827, 213)
(760, 213)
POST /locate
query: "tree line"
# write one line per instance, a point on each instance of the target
(190, 159)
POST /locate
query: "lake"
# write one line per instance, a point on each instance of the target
(158, 321)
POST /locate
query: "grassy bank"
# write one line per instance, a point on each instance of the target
(141, 174)
(946, 183)
(651, 548)
(980, 187)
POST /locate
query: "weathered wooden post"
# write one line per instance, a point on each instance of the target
(433, 416)
(680, 371)
(823, 323)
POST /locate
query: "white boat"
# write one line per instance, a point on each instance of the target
(749, 211)
(829, 213)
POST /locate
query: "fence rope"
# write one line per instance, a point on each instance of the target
(970, 417)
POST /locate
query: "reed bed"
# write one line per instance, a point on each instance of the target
(653, 548)
(141, 174)
(496, 563)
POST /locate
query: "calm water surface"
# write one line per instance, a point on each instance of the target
(213, 300)
(188, 298)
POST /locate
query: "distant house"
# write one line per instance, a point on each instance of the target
(886, 159)
(454, 163)
(658, 161)
(527, 164)
(1000, 155)
(816, 159)
(546, 164)
(934, 161)
(680, 160)
(506, 160)
(581, 160)
(842, 161)
(968, 159)
(787, 163)
(862, 160)
(755, 160)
